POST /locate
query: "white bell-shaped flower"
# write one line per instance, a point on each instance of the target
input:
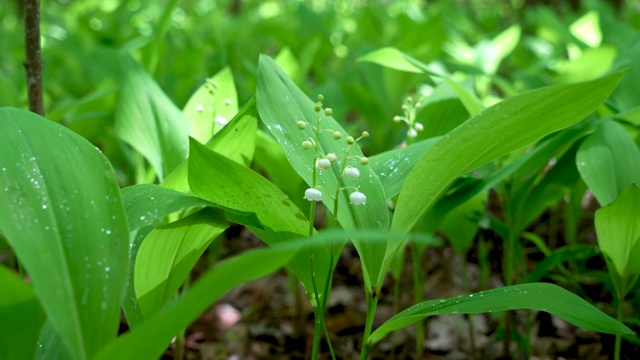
(350, 171)
(358, 198)
(312, 194)
(323, 164)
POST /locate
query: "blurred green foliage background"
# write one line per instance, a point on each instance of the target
(181, 43)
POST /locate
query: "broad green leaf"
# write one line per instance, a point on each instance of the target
(270, 160)
(461, 224)
(168, 254)
(50, 344)
(591, 64)
(236, 140)
(212, 106)
(468, 99)
(609, 161)
(147, 120)
(489, 54)
(536, 296)
(618, 229)
(392, 58)
(498, 130)
(226, 183)
(147, 206)
(61, 212)
(151, 338)
(20, 315)
(281, 105)
(540, 192)
(393, 166)
(559, 256)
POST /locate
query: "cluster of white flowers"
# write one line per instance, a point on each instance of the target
(325, 162)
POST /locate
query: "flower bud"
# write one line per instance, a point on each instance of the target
(306, 145)
(358, 198)
(364, 160)
(301, 125)
(412, 133)
(312, 194)
(331, 157)
(351, 140)
(397, 118)
(419, 126)
(350, 171)
(323, 164)
(328, 111)
(337, 135)
(318, 107)
(320, 98)
(365, 134)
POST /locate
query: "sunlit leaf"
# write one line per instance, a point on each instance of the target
(609, 161)
(147, 120)
(212, 106)
(168, 254)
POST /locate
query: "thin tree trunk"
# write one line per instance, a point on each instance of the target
(33, 55)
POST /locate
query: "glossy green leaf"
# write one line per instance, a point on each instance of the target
(150, 339)
(536, 296)
(270, 160)
(609, 161)
(222, 181)
(393, 166)
(62, 214)
(236, 140)
(498, 130)
(20, 315)
(50, 344)
(618, 229)
(212, 106)
(147, 206)
(281, 104)
(148, 121)
(168, 254)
